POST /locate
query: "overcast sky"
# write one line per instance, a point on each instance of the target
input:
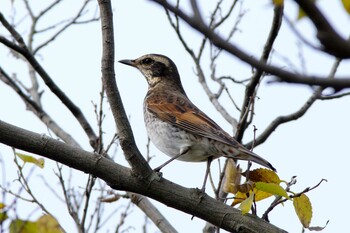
(311, 148)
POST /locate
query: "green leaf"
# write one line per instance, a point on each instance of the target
(246, 205)
(272, 188)
(30, 159)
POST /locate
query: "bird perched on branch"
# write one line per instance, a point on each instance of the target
(176, 126)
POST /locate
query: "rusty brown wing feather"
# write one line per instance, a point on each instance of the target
(179, 111)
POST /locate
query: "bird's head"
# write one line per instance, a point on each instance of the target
(156, 68)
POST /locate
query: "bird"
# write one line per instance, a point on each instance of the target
(176, 126)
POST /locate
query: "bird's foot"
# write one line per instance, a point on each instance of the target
(157, 170)
(200, 193)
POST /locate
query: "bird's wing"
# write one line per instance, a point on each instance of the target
(179, 111)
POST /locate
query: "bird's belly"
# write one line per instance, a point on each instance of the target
(172, 141)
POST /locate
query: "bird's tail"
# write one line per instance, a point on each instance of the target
(248, 155)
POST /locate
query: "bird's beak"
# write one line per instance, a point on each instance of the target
(128, 62)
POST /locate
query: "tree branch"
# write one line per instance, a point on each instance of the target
(299, 113)
(38, 111)
(67, 25)
(283, 119)
(153, 213)
(119, 177)
(332, 42)
(283, 76)
(127, 142)
(252, 86)
(75, 110)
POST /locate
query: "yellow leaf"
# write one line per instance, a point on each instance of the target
(264, 175)
(303, 208)
(232, 177)
(278, 2)
(271, 188)
(269, 185)
(246, 205)
(30, 159)
(301, 14)
(239, 197)
(23, 226)
(346, 5)
(49, 224)
(2, 205)
(259, 195)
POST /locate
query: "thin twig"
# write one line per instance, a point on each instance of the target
(37, 110)
(283, 76)
(252, 86)
(74, 109)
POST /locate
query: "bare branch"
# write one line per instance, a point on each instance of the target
(330, 97)
(119, 177)
(70, 22)
(126, 139)
(37, 110)
(283, 76)
(280, 200)
(299, 113)
(88, 189)
(75, 110)
(153, 213)
(298, 34)
(252, 86)
(287, 118)
(332, 42)
(24, 182)
(48, 8)
(200, 74)
(70, 206)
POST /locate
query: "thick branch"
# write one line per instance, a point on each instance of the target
(152, 213)
(118, 177)
(332, 42)
(138, 164)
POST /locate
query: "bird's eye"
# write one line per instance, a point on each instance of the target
(147, 61)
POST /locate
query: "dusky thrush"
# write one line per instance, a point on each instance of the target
(176, 126)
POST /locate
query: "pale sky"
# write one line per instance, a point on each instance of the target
(312, 148)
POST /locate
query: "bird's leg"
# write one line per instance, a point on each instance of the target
(206, 173)
(184, 151)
